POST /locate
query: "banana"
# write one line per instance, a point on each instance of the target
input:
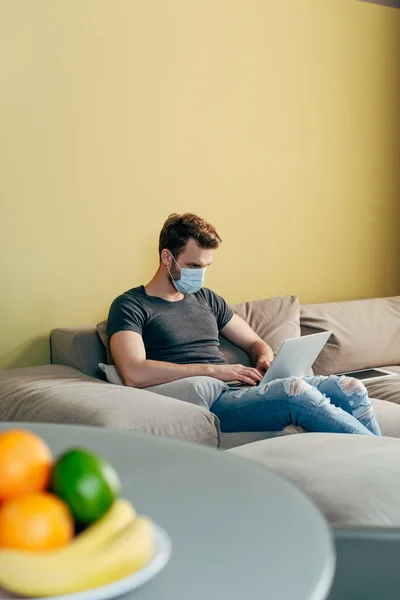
(38, 575)
(115, 519)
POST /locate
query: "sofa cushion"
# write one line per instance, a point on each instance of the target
(102, 331)
(353, 479)
(56, 394)
(387, 388)
(78, 347)
(232, 440)
(111, 373)
(366, 333)
(388, 417)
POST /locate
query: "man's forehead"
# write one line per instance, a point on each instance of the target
(193, 252)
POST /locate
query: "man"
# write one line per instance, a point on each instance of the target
(168, 330)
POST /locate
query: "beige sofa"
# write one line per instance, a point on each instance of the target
(366, 333)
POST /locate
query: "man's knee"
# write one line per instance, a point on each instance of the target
(299, 390)
(207, 388)
(296, 386)
(351, 386)
(200, 390)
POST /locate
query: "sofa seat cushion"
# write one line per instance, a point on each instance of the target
(232, 440)
(387, 388)
(57, 394)
(388, 417)
(353, 479)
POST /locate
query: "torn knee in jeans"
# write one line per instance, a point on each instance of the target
(296, 386)
(351, 386)
(364, 412)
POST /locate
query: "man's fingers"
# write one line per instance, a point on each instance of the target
(247, 380)
(253, 374)
(247, 374)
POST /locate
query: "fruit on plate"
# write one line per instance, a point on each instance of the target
(25, 463)
(37, 521)
(86, 482)
(119, 516)
(105, 529)
(39, 575)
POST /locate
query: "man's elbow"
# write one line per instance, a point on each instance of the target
(129, 382)
(135, 378)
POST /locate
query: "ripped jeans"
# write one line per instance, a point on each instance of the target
(333, 404)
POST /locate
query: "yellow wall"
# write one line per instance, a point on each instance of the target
(277, 121)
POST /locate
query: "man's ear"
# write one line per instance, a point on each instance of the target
(166, 258)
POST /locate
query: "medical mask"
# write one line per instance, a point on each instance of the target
(191, 280)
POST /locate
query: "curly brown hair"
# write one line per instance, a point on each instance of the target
(178, 229)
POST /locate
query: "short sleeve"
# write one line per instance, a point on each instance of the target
(126, 314)
(223, 313)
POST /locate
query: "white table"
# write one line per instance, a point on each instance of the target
(239, 532)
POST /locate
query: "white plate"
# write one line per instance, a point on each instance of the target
(127, 584)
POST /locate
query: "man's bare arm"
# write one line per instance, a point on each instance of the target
(240, 333)
(129, 355)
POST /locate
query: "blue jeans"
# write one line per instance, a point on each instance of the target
(334, 404)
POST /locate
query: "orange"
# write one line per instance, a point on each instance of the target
(38, 521)
(25, 463)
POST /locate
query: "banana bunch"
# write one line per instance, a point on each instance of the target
(116, 546)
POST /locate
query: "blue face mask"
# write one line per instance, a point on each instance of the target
(191, 280)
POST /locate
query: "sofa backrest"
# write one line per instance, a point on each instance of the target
(366, 333)
(273, 319)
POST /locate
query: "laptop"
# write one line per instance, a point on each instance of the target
(295, 358)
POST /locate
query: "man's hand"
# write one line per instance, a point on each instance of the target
(236, 373)
(263, 365)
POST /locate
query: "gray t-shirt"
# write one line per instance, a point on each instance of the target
(180, 332)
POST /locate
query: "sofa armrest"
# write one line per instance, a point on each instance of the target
(80, 348)
(57, 394)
